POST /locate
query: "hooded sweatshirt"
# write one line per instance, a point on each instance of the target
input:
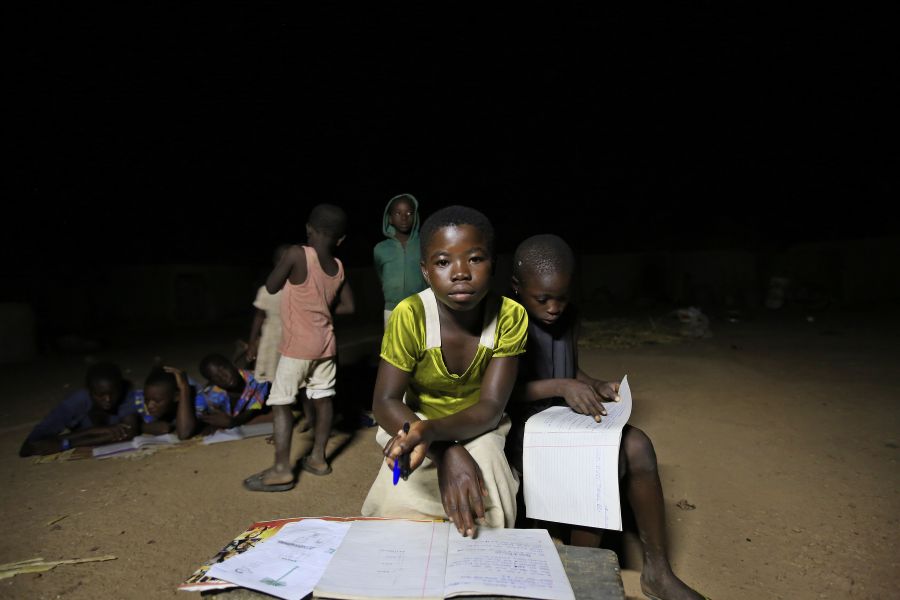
(398, 267)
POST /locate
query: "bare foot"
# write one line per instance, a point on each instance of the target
(270, 480)
(666, 586)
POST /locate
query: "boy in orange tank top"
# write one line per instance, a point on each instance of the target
(313, 289)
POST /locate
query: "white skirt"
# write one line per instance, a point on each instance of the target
(419, 497)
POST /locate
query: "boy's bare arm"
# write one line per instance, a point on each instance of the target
(185, 420)
(345, 305)
(542, 389)
(93, 436)
(608, 391)
(156, 427)
(101, 435)
(292, 265)
(583, 395)
(248, 414)
(133, 422)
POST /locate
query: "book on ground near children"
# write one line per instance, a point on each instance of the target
(135, 443)
(239, 433)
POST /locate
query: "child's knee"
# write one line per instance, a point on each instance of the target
(281, 410)
(323, 401)
(638, 450)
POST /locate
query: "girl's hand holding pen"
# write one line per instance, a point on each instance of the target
(401, 465)
(413, 443)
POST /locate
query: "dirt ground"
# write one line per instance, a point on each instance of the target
(783, 433)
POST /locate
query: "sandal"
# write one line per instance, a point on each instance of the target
(309, 469)
(254, 483)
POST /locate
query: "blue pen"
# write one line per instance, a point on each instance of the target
(398, 470)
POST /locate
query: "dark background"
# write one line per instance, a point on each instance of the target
(205, 133)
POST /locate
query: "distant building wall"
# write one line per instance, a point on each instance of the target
(610, 279)
(871, 271)
(717, 278)
(850, 273)
(18, 337)
(170, 294)
(178, 293)
(38, 308)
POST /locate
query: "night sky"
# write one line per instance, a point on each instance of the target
(205, 133)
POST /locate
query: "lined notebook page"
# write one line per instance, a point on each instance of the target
(388, 559)
(506, 562)
(571, 464)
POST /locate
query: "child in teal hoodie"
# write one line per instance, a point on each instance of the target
(397, 258)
